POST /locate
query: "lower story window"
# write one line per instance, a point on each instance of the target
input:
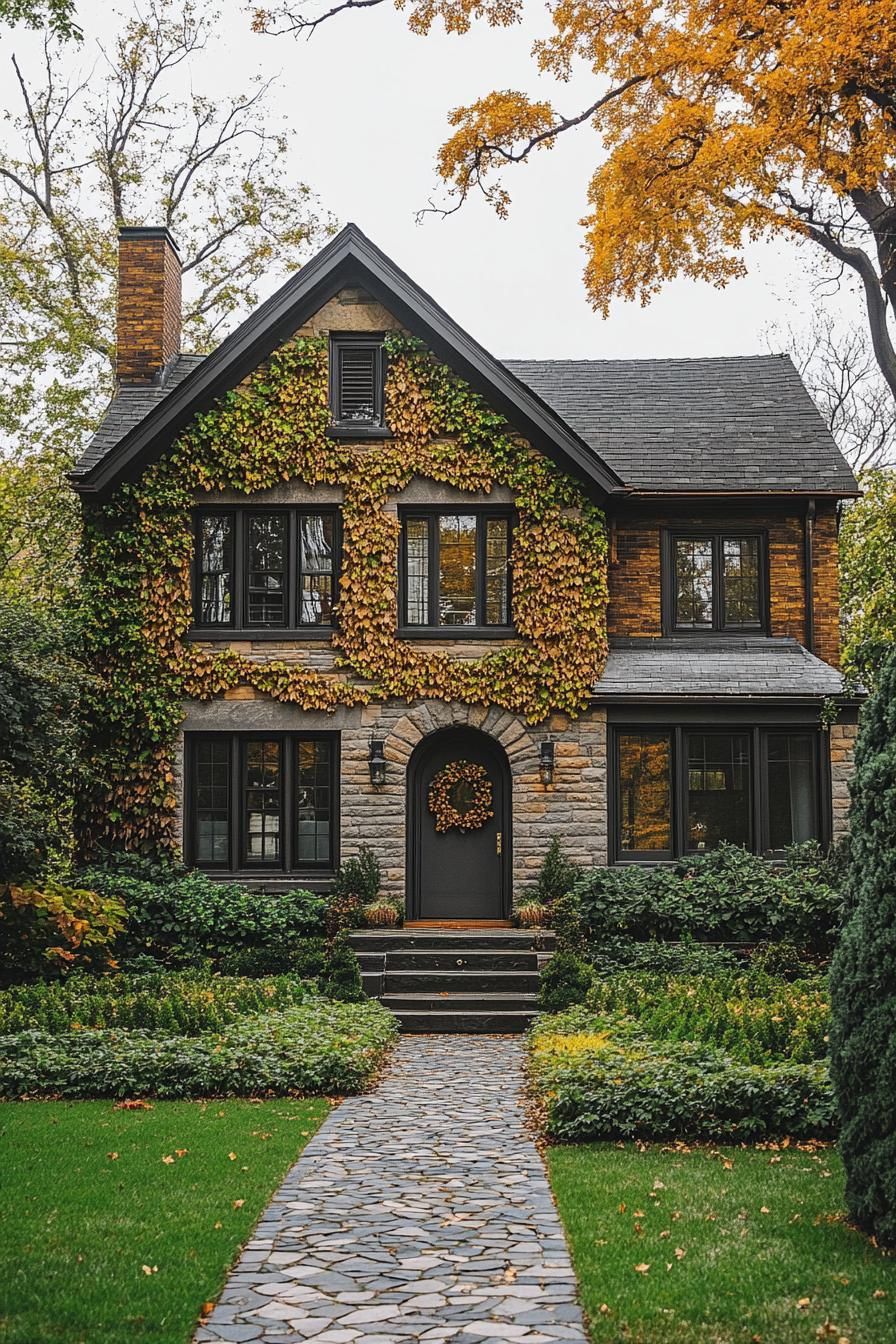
(682, 790)
(262, 801)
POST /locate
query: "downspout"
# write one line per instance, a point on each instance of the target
(809, 570)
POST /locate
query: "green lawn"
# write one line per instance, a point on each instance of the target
(103, 1240)
(759, 1251)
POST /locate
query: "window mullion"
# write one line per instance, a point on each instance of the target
(679, 791)
(287, 811)
(718, 583)
(293, 570)
(434, 579)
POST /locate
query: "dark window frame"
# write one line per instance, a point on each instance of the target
(376, 427)
(237, 862)
(431, 630)
(717, 536)
(677, 731)
(238, 627)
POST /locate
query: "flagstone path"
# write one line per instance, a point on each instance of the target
(420, 1211)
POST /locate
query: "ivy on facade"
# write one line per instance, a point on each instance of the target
(271, 429)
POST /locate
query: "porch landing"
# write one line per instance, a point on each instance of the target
(420, 1211)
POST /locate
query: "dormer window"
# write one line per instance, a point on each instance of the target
(357, 376)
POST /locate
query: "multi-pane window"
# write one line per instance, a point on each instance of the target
(456, 570)
(262, 801)
(357, 370)
(716, 582)
(266, 569)
(683, 790)
(645, 793)
(215, 551)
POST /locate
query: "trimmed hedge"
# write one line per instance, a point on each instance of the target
(315, 1048)
(726, 894)
(182, 917)
(756, 1018)
(180, 1003)
(604, 1077)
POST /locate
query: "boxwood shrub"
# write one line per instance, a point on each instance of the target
(317, 1047)
(604, 1077)
(726, 895)
(182, 917)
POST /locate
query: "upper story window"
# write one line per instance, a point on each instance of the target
(265, 569)
(715, 581)
(357, 378)
(455, 570)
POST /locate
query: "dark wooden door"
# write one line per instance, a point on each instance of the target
(458, 874)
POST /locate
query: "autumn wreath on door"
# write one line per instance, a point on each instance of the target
(460, 797)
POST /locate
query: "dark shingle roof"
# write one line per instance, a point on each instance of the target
(741, 423)
(128, 407)
(761, 667)
(729, 424)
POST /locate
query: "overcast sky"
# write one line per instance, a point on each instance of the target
(369, 101)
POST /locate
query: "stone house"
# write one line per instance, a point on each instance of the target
(399, 592)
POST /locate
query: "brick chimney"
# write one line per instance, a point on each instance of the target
(149, 270)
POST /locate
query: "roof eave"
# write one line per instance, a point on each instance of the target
(349, 258)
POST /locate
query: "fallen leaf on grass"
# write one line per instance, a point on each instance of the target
(641, 1269)
(132, 1106)
(803, 1303)
(878, 1294)
(218, 1226)
(113, 1157)
(238, 1203)
(680, 1253)
(181, 1152)
(150, 1269)
(604, 1309)
(168, 1159)
(764, 1209)
(232, 1156)
(728, 1164)
(665, 1233)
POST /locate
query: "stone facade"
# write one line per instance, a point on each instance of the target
(843, 742)
(573, 807)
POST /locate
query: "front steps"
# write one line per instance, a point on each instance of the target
(454, 980)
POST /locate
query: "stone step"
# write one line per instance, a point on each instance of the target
(456, 1001)
(403, 940)
(498, 1022)
(461, 959)
(460, 981)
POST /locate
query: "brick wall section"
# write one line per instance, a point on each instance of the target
(149, 303)
(843, 743)
(573, 807)
(635, 585)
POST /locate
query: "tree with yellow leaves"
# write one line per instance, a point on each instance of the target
(722, 121)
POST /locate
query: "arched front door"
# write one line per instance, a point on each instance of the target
(458, 873)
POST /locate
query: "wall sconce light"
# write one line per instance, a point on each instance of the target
(546, 761)
(377, 762)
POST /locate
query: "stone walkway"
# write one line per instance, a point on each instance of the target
(418, 1212)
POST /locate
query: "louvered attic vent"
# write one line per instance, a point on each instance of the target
(357, 380)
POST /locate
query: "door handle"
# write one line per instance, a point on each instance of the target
(497, 842)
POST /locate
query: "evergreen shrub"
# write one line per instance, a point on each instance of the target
(564, 981)
(863, 975)
(340, 978)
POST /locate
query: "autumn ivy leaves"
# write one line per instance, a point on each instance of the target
(273, 429)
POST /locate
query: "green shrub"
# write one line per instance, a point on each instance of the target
(304, 958)
(341, 975)
(725, 894)
(604, 1077)
(359, 877)
(786, 959)
(564, 981)
(180, 1003)
(684, 958)
(52, 928)
(556, 876)
(863, 975)
(314, 1048)
(183, 917)
(755, 1018)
